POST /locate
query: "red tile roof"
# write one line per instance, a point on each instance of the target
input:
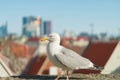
(20, 50)
(45, 67)
(98, 53)
(34, 39)
(34, 65)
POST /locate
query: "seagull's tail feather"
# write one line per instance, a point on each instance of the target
(95, 67)
(98, 67)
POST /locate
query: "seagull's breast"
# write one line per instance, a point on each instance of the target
(51, 50)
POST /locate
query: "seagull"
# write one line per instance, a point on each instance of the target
(64, 58)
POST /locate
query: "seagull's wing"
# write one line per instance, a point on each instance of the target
(72, 60)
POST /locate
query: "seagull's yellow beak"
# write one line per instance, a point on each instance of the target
(43, 39)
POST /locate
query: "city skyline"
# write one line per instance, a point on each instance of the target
(77, 15)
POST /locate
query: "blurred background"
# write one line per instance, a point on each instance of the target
(89, 27)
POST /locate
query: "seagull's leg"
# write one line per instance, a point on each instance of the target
(67, 75)
(63, 73)
(59, 75)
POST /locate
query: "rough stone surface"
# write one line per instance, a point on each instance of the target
(72, 77)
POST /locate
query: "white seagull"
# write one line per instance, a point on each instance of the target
(64, 58)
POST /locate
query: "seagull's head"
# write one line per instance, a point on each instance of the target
(53, 37)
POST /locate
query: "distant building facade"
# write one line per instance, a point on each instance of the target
(68, 33)
(47, 27)
(27, 20)
(3, 30)
(31, 26)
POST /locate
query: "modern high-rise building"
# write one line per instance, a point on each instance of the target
(27, 20)
(3, 30)
(31, 26)
(47, 27)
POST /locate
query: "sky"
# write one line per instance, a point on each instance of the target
(72, 15)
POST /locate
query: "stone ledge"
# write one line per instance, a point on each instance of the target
(72, 77)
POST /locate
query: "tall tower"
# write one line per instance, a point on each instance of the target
(47, 27)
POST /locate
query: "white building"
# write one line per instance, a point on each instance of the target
(113, 64)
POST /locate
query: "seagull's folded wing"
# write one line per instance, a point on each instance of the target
(72, 60)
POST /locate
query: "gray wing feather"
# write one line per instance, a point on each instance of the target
(72, 60)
